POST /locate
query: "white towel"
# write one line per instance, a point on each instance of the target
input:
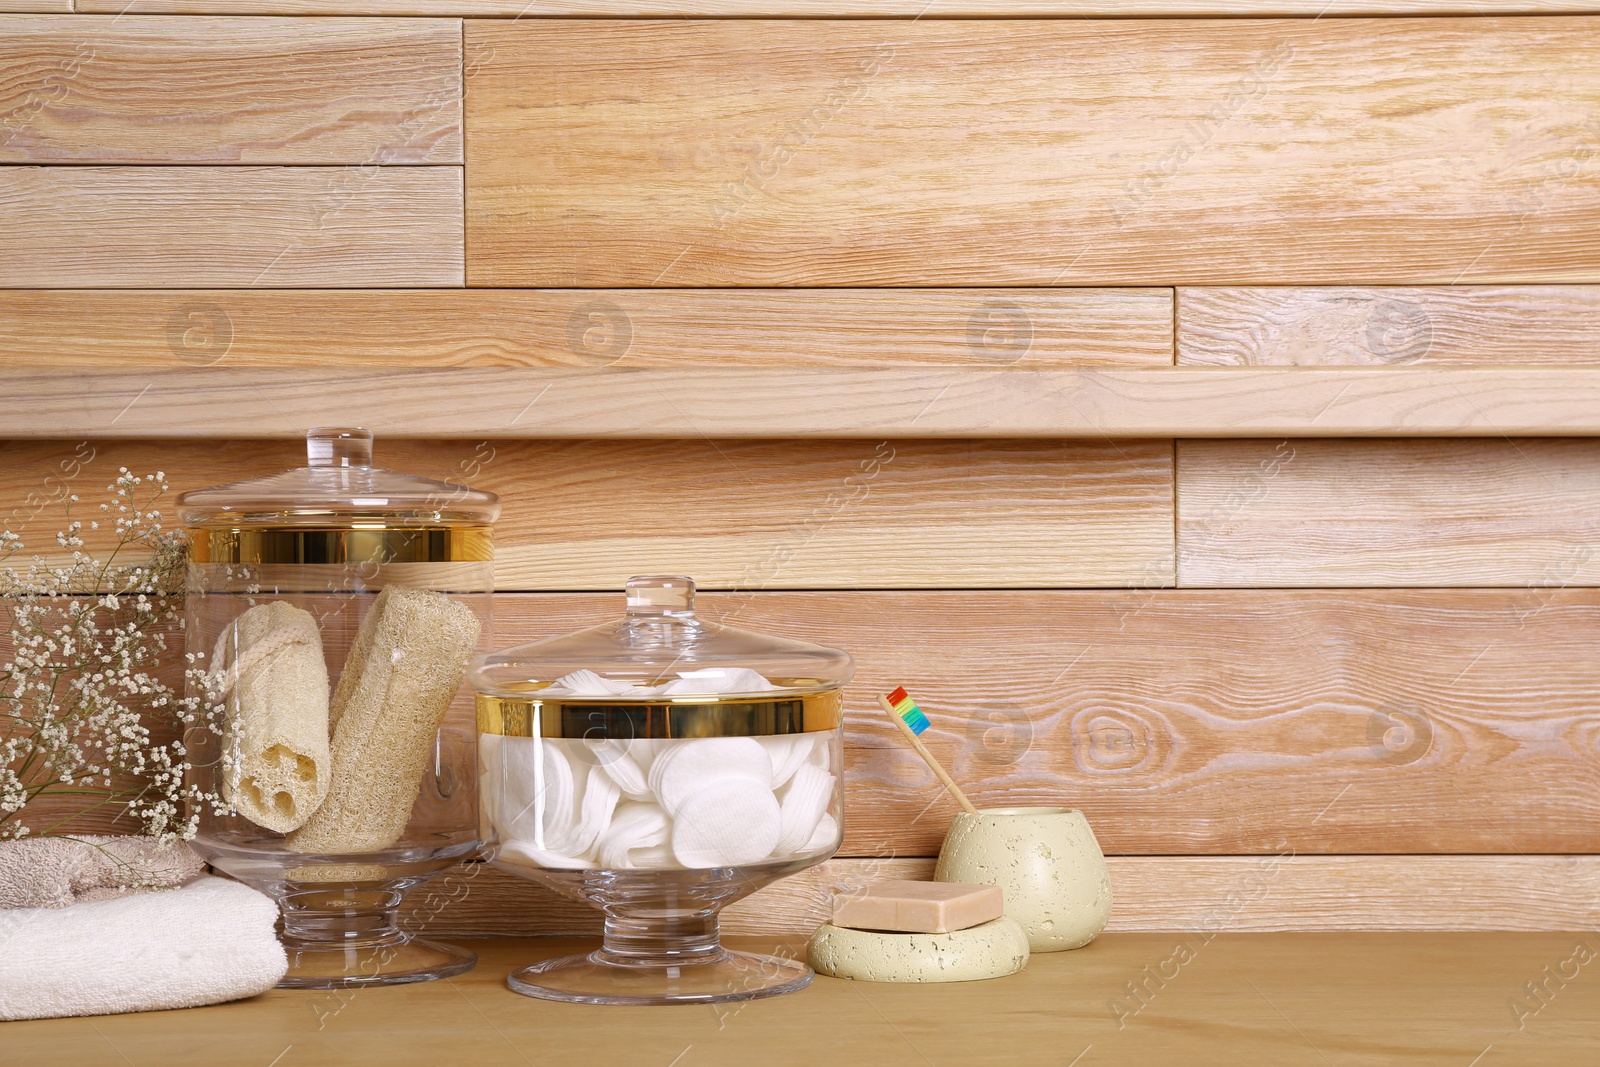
(206, 942)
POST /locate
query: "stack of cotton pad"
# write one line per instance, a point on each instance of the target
(709, 680)
(655, 803)
(904, 931)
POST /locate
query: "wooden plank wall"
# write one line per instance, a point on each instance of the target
(1005, 343)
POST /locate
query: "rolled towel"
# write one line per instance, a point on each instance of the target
(270, 665)
(402, 674)
(209, 941)
(53, 872)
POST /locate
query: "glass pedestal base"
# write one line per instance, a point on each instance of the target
(351, 936)
(416, 960)
(661, 939)
(600, 978)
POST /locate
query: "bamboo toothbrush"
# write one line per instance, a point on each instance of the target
(899, 706)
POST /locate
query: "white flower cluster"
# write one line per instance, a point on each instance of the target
(77, 701)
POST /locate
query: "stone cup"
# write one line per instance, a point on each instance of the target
(1048, 863)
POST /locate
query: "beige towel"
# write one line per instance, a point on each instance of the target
(278, 707)
(403, 672)
(53, 872)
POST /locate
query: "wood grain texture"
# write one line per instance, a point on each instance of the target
(753, 514)
(95, 227)
(61, 6)
(229, 226)
(580, 327)
(1316, 723)
(1015, 152)
(1290, 1000)
(92, 89)
(830, 8)
(1189, 722)
(1220, 894)
(1345, 325)
(1486, 512)
(798, 402)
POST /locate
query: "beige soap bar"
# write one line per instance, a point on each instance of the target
(918, 907)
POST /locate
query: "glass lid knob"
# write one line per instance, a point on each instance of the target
(660, 594)
(335, 446)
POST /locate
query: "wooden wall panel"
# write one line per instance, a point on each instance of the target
(1481, 512)
(582, 327)
(91, 89)
(94, 227)
(1187, 722)
(520, 9)
(806, 402)
(684, 153)
(1465, 324)
(753, 514)
(1219, 893)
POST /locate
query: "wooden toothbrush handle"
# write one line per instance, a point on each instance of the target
(927, 757)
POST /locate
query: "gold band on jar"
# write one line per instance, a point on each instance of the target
(743, 717)
(270, 545)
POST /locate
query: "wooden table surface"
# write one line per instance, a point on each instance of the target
(1277, 999)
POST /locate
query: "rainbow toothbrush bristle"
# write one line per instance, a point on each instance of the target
(908, 711)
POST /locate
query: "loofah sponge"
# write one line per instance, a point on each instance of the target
(271, 667)
(403, 672)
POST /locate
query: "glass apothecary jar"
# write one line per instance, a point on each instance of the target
(660, 767)
(334, 608)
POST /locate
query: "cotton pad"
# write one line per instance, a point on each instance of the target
(726, 822)
(690, 764)
(528, 852)
(621, 767)
(788, 752)
(600, 796)
(529, 789)
(634, 827)
(804, 802)
(825, 836)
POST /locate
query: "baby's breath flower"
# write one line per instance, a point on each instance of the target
(83, 687)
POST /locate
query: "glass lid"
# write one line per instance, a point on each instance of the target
(660, 651)
(338, 484)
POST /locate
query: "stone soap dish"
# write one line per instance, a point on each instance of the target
(905, 931)
(993, 950)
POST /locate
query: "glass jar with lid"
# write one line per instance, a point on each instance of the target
(660, 767)
(333, 609)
